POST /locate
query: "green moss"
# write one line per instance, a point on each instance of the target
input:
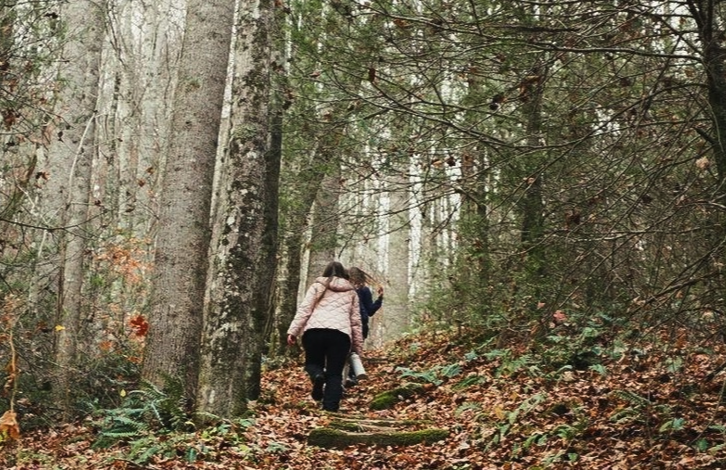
(336, 438)
(361, 423)
(388, 399)
(351, 426)
(383, 401)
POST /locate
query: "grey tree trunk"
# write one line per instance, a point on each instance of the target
(714, 60)
(71, 157)
(242, 273)
(324, 234)
(293, 252)
(396, 315)
(172, 350)
(317, 192)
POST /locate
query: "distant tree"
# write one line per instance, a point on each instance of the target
(318, 125)
(71, 154)
(325, 219)
(140, 72)
(397, 313)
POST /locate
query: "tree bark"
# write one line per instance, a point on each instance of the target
(175, 324)
(395, 312)
(531, 202)
(324, 235)
(72, 153)
(245, 241)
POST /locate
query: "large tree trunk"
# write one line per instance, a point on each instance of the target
(172, 350)
(71, 157)
(245, 241)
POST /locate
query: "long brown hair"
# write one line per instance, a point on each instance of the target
(358, 277)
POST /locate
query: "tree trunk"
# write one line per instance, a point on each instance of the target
(324, 235)
(72, 153)
(275, 154)
(172, 350)
(714, 58)
(531, 202)
(474, 255)
(396, 315)
(245, 240)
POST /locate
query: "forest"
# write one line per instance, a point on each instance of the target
(539, 186)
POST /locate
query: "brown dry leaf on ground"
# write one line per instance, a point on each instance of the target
(635, 412)
(9, 425)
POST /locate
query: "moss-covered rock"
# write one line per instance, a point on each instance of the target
(388, 399)
(363, 424)
(336, 438)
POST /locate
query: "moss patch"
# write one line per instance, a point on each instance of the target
(363, 424)
(387, 400)
(336, 438)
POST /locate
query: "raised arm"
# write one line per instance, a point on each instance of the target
(374, 306)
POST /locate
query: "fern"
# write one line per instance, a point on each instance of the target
(512, 416)
(116, 436)
(466, 407)
(432, 375)
(511, 366)
(427, 376)
(491, 355)
(632, 397)
(451, 370)
(634, 412)
(469, 381)
(150, 452)
(141, 412)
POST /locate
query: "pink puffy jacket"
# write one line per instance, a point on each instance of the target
(338, 309)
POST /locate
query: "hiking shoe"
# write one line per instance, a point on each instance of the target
(318, 382)
(351, 382)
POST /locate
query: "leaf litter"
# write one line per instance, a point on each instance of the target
(630, 411)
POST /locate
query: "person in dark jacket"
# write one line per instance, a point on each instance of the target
(368, 307)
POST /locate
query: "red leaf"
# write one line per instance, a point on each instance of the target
(139, 325)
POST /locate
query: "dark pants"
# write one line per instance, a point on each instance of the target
(326, 351)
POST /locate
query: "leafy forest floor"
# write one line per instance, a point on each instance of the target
(650, 407)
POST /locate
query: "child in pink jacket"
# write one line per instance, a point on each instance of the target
(330, 324)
